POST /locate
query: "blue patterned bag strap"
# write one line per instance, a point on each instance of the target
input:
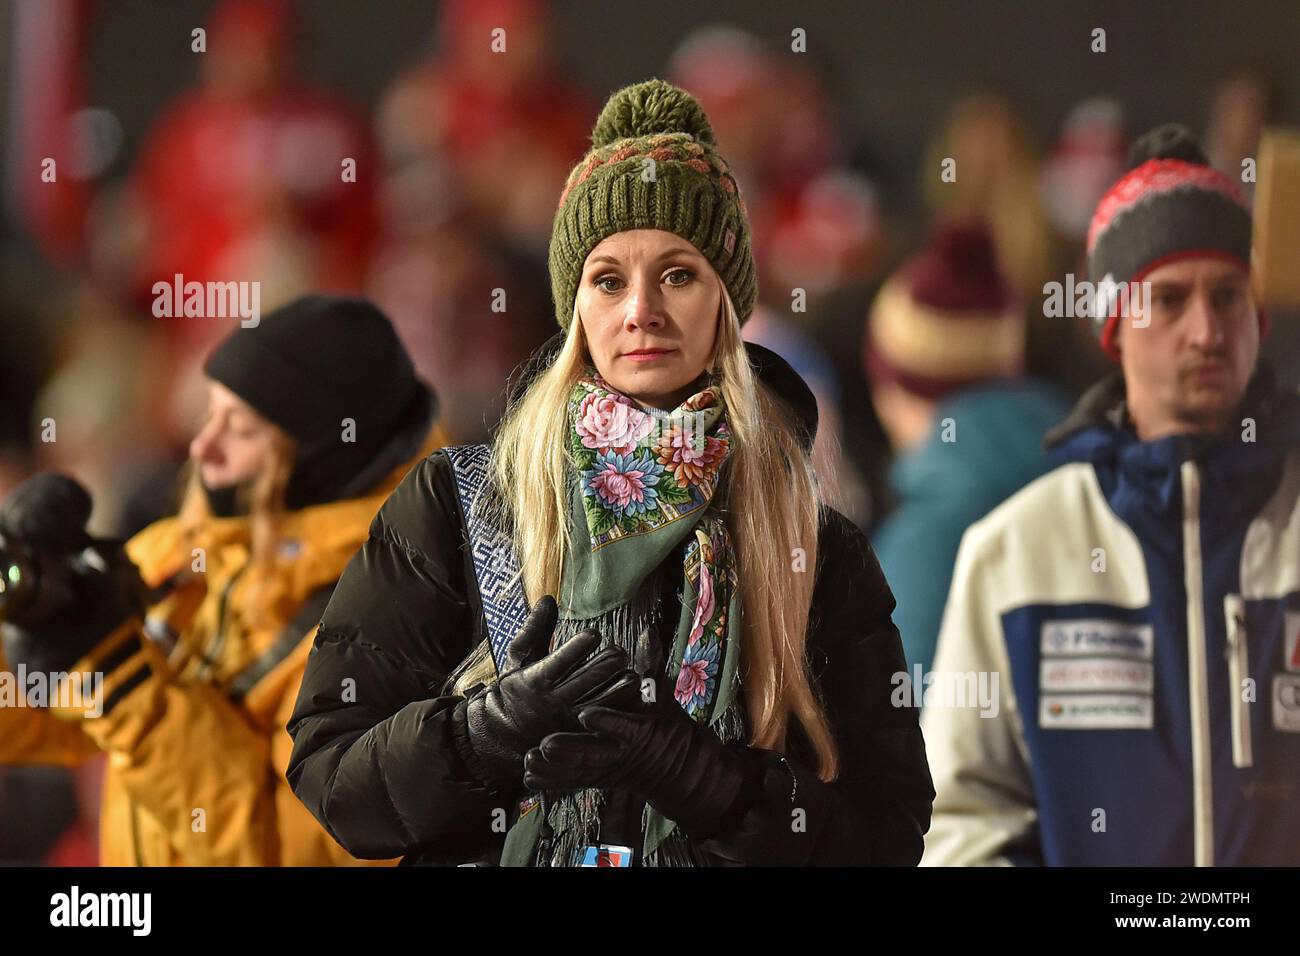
(496, 566)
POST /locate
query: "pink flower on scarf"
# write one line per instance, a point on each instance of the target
(611, 421)
(625, 483)
(703, 605)
(692, 682)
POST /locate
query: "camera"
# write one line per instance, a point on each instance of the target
(19, 573)
(35, 583)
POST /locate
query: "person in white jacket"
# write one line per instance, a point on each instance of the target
(1138, 608)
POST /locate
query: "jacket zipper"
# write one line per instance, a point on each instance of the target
(1198, 690)
(1234, 612)
(219, 635)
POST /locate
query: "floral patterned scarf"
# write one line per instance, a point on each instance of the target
(642, 490)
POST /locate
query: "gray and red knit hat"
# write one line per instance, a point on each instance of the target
(947, 319)
(1169, 205)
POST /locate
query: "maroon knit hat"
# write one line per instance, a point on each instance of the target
(947, 319)
(1170, 205)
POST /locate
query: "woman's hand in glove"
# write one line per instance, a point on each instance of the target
(679, 766)
(539, 693)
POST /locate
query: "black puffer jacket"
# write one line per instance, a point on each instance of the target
(378, 755)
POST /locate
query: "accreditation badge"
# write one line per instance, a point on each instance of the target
(606, 854)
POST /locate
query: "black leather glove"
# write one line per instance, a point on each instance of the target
(78, 589)
(539, 693)
(682, 768)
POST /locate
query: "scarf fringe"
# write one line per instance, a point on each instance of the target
(575, 816)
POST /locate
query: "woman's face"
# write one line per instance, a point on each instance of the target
(649, 305)
(235, 442)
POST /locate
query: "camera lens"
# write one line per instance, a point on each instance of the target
(17, 578)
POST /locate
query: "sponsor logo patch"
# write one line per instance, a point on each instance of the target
(1096, 712)
(1096, 674)
(1286, 702)
(1292, 645)
(1092, 638)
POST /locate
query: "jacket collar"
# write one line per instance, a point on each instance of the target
(1099, 430)
(1100, 421)
(773, 370)
(315, 541)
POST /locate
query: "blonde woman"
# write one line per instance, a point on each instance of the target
(200, 624)
(706, 671)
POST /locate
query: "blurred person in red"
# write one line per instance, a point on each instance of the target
(817, 223)
(469, 311)
(1087, 158)
(489, 122)
(47, 156)
(476, 140)
(247, 177)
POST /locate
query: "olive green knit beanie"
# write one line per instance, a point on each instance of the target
(652, 165)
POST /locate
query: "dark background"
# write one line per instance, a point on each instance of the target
(895, 67)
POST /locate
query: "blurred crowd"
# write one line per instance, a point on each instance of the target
(457, 169)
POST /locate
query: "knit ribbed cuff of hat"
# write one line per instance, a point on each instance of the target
(930, 352)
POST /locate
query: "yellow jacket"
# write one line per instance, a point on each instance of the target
(196, 769)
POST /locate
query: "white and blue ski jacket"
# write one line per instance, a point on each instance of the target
(1140, 608)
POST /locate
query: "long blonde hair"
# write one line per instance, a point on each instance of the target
(263, 501)
(772, 513)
